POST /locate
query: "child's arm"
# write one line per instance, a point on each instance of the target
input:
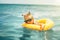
(40, 24)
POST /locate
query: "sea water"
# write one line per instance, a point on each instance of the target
(11, 19)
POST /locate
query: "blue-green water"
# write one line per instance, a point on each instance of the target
(11, 20)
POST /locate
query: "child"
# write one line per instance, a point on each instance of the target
(29, 19)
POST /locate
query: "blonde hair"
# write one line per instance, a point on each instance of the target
(27, 16)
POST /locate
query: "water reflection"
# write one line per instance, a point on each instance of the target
(37, 35)
(26, 34)
(48, 35)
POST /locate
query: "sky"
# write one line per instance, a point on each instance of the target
(50, 2)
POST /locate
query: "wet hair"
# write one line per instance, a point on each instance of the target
(26, 14)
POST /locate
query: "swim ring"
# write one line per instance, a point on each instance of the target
(48, 24)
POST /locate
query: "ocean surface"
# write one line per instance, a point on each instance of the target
(11, 19)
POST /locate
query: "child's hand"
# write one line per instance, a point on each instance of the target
(41, 26)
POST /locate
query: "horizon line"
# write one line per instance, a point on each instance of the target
(30, 4)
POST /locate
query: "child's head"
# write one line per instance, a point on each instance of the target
(28, 18)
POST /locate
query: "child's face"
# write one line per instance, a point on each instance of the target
(31, 21)
(29, 18)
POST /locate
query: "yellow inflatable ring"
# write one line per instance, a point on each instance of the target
(47, 22)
